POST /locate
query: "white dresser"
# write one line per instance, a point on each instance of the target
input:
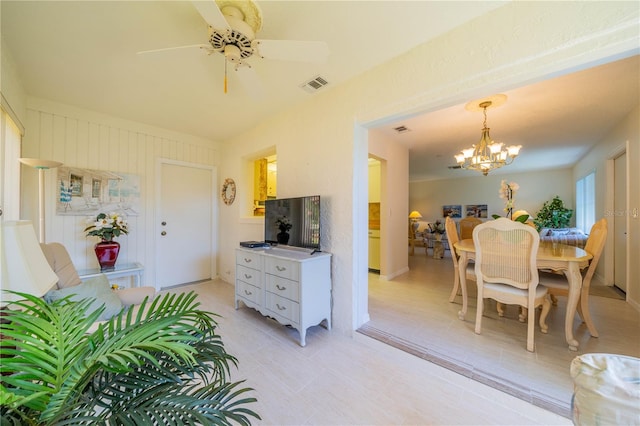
(291, 286)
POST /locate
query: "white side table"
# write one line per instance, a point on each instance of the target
(134, 270)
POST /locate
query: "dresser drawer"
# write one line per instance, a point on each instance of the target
(283, 287)
(248, 259)
(248, 275)
(282, 268)
(249, 292)
(283, 307)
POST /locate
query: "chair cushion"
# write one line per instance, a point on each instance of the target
(97, 288)
(135, 296)
(553, 280)
(60, 262)
(504, 288)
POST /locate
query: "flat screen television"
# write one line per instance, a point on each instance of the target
(293, 222)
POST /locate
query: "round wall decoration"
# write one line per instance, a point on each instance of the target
(228, 191)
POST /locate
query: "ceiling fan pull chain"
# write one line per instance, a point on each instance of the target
(225, 76)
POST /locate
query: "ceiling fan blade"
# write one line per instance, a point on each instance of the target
(212, 14)
(191, 46)
(250, 81)
(293, 50)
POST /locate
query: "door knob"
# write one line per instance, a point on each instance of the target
(163, 233)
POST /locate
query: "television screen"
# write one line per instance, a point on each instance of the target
(293, 222)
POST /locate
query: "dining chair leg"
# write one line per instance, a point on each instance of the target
(500, 309)
(546, 307)
(456, 285)
(583, 310)
(530, 332)
(479, 310)
(524, 313)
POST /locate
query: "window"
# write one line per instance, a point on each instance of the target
(10, 190)
(586, 202)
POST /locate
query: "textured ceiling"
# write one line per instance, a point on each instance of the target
(85, 54)
(556, 121)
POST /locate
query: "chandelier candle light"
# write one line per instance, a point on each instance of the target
(487, 155)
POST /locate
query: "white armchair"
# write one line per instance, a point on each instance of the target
(70, 284)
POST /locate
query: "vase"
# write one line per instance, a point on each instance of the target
(107, 254)
(283, 237)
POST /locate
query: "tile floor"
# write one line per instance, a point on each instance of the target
(414, 308)
(340, 379)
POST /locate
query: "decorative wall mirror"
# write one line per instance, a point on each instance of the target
(228, 191)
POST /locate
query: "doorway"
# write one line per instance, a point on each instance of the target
(620, 222)
(185, 224)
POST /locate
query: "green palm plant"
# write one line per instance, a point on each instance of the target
(163, 364)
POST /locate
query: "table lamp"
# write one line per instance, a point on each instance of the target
(41, 165)
(415, 216)
(23, 266)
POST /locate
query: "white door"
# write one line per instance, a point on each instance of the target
(620, 223)
(185, 228)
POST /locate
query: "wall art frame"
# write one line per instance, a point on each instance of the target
(87, 192)
(476, 210)
(454, 211)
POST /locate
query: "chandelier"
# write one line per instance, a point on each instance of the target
(487, 155)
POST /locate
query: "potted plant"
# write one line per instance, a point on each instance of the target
(107, 227)
(164, 364)
(553, 214)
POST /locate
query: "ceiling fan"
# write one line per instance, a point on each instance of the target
(233, 25)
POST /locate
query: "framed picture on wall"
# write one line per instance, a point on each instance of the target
(476, 210)
(95, 188)
(76, 185)
(87, 192)
(454, 211)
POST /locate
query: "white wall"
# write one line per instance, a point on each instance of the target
(428, 197)
(394, 205)
(626, 135)
(13, 94)
(85, 139)
(322, 148)
(322, 144)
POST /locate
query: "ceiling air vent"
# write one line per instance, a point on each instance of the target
(314, 85)
(401, 129)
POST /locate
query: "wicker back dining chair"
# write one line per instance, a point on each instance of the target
(559, 286)
(506, 270)
(452, 235)
(466, 227)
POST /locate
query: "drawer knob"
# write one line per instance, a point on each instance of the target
(281, 268)
(248, 293)
(247, 276)
(280, 288)
(281, 308)
(247, 260)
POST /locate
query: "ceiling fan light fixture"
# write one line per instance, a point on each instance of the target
(487, 155)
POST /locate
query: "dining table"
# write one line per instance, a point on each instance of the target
(561, 258)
